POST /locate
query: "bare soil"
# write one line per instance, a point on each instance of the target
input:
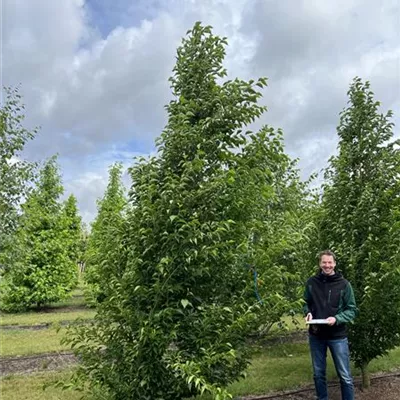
(61, 309)
(45, 325)
(35, 363)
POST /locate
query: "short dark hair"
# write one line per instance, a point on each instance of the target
(326, 253)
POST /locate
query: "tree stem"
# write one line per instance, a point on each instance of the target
(366, 380)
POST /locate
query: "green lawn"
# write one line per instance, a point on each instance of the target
(25, 342)
(288, 366)
(54, 313)
(289, 324)
(16, 342)
(74, 301)
(36, 318)
(31, 387)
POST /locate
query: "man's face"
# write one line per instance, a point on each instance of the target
(327, 265)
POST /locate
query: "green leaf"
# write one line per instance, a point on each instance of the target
(185, 303)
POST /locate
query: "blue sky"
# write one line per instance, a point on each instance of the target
(94, 74)
(105, 15)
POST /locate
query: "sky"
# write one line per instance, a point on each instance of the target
(94, 73)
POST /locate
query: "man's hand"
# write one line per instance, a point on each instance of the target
(331, 321)
(308, 317)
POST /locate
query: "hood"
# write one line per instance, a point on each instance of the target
(337, 276)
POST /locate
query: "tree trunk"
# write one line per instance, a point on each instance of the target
(366, 380)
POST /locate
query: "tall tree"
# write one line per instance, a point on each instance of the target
(101, 263)
(15, 173)
(42, 271)
(179, 314)
(360, 221)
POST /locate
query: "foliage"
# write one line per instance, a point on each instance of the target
(176, 322)
(284, 238)
(74, 226)
(83, 246)
(41, 270)
(360, 221)
(15, 173)
(101, 264)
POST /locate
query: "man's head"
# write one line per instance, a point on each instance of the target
(327, 262)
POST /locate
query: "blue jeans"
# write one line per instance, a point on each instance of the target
(339, 349)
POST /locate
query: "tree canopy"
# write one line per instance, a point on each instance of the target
(101, 263)
(42, 270)
(15, 173)
(180, 312)
(360, 221)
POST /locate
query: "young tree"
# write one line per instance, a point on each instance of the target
(15, 173)
(42, 271)
(74, 233)
(285, 240)
(176, 322)
(83, 247)
(101, 263)
(360, 221)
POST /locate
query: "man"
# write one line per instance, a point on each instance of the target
(329, 296)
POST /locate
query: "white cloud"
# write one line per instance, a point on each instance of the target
(95, 74)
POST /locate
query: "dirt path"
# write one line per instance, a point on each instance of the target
(62, 309)
(45, 325)
(36, 363)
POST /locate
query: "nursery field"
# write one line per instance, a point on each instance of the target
(32, 358)
(204, 237)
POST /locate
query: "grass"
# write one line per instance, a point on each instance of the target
(273, 368)
(54, 313)
(78, 291)
(288, 366)
(35, 318)
(16, 342)
(30, 387)
(27, 342)
(387, 363)
(276, 368)
(74, 301)
(289, 323)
